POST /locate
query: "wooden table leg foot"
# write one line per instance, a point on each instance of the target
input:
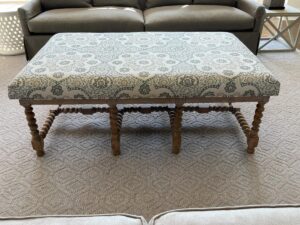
(40, 153)
(37, 141)
(252, 144)
(115, 129)
(176, 128)
(253, 137)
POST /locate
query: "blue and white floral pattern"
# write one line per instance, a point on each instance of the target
(143, 65)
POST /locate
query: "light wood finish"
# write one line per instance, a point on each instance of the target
(253, 137)
(116, 117)
(36, 141)
(287, 11)
(283, 27)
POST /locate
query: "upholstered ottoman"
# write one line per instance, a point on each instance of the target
(135, 68)
(76, 220)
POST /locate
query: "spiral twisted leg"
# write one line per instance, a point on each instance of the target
(115, 124)
(37, 141)
(253, 138)
(176, 119)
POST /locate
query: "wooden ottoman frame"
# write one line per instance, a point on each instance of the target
(116, 116)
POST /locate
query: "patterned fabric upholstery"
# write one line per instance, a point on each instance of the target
(143, 65)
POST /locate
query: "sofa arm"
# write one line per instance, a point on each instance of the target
(28, 11)
(255, 9)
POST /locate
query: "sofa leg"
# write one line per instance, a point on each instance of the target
(176, 128)
(37, 141)
(253, 137)
(115, 129)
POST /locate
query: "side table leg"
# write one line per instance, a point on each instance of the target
(176, 129)
(115, 129)
(253, 137)
(37, 141)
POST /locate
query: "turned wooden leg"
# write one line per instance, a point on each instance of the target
(37, 141)
(115, 129)
(253, 135)
(176, 128)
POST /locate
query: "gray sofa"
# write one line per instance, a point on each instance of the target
(40, 19)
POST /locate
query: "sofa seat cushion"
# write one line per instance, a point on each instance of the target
(101, 19)
(197, 18)
(76, 220)
(283, 215)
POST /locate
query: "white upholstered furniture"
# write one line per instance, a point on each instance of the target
(117, 219)
(267, 215)
(231, 216)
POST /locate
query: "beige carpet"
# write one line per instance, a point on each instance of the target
(79, 175)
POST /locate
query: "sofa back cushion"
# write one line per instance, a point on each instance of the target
(58, 4)
(215, 2)
(122, 3)
(156, 3)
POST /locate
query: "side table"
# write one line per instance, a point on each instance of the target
(282, 37)
(11, 36)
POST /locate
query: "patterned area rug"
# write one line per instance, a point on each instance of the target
(79, 175)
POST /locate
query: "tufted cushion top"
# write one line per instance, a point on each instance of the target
(143, 65)
(77, 220)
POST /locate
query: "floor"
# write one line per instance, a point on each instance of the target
(79, 175)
